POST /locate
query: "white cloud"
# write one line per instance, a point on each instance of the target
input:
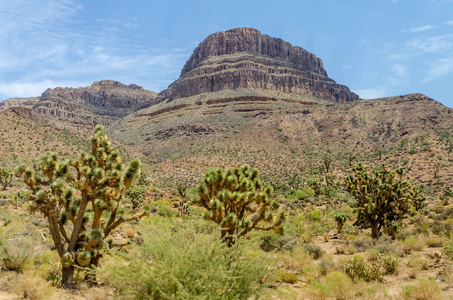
(399, 70)
(29, 89)
(371, 93)
(431, 44)
(418, 29)
(46, 44)
(439, 69)
(449, 22)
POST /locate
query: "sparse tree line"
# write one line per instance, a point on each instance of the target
(83, 199)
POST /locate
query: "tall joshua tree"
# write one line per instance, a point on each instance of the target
(81, 199)
(238, 201)
(383, 198)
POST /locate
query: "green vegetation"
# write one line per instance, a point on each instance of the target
(6, 175)
(86, 193)
(187, 261)
(239, 202)
(383, 200)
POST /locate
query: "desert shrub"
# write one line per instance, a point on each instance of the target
(423, 289)
(177, 262)
(448, 248)
(412, 244)
(287, 276)
(385, 247)
(372, 254)
(358, 269)
(441, 228)
(434, 242)
(272, 241)
(389, 262)
(363, 244)
(315, 251)
(335, 285)
(30, 286)
(18, 244)
(404, 234)
(162, 208)
(328, 265)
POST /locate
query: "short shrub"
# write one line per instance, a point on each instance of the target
(18, 243)
(315, 251)
(434, 242)
(412, 244)
(389, 262)
(336, 285)
(448, 249)
(33, 287)
(272, 241)
(177, 262)
(423, 289)
(358, 269)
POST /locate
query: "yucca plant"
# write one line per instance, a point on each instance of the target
(239, 202)
(81, 199)
(383, 198)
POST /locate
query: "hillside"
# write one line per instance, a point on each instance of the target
(282, 136)
(26, 136)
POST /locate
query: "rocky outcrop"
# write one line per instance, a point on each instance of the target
(18, 102)
(244, 58)
(102, 102)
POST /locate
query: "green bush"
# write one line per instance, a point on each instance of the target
(448, 248)
(358, 269)
(177, 261)
(18, 244)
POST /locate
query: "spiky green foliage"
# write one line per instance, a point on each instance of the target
(340, 218)
(136, 195)
(6, 175)
(81, 198)
(239, 202)
(383, 198)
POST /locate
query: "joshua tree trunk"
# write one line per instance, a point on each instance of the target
(67, 278)
(375, 232)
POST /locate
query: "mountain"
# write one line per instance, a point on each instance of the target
(102, 102)
(28, 102)
(237, 102)
(244, 58)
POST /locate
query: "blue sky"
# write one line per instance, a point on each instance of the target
(377, 48)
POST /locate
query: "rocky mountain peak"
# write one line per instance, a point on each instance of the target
(101, 102)
(245, 58)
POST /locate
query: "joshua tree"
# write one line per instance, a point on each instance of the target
(383, 199)
(6, 175)
(81, 199)
(238, 201)
(340, 218)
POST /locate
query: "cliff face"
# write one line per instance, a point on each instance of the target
(18, 102)
(102, 102)
(244, 58)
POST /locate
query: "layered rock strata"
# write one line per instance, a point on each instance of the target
(244, 58)
(101, 102)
